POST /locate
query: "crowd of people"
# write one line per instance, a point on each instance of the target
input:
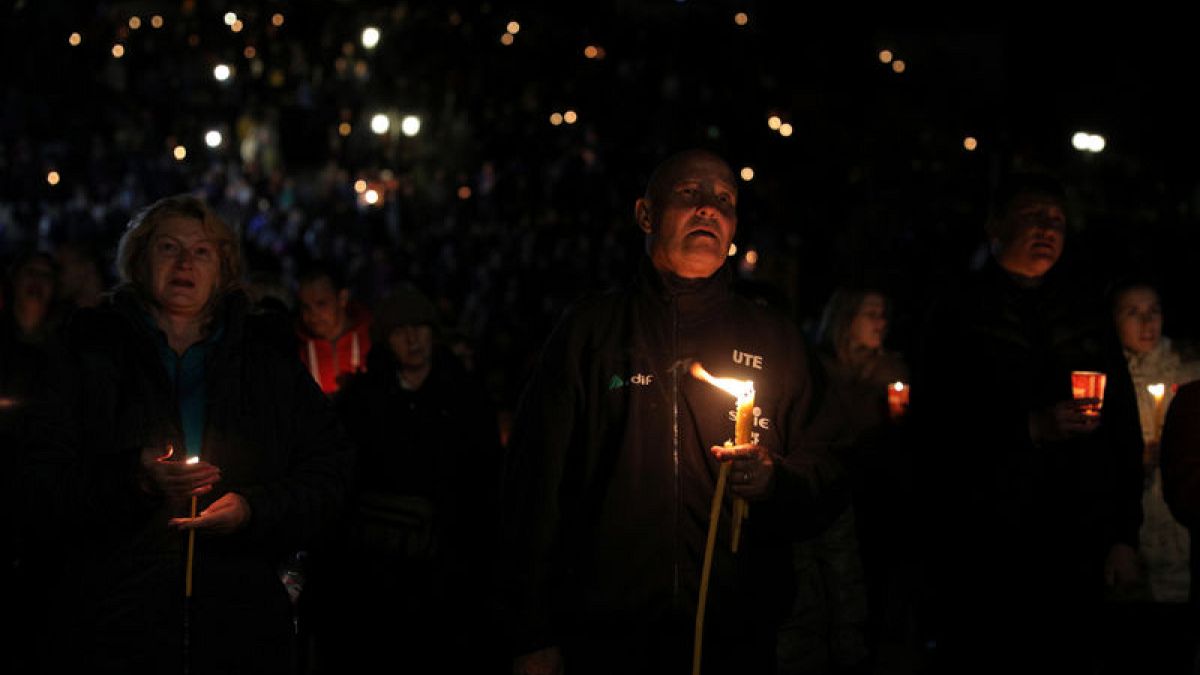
(219, 470)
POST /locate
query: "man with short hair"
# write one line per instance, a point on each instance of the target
(334, 331)
(1034, 499)
(615, 453)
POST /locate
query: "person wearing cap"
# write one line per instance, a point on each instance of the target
(417, 539)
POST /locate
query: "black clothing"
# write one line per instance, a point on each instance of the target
(278, 444)
(1020, 529)
(610, 480)
(414, 556)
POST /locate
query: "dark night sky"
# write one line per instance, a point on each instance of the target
(874, 186)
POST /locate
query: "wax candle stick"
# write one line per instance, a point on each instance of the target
(191, 545)
(1159, 391)
(743, 421)
(741, 436)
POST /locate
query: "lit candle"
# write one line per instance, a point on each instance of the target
(743, 390)
(744, 420)
(191, 544)
(1089, 384)
(745, 415)
(1159, 391)
(897, 397)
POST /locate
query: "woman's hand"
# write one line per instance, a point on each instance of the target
(176, 479)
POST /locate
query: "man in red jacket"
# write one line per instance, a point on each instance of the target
(334, 332)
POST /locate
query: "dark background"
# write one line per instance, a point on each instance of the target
(873, 188)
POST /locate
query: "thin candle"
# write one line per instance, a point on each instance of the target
(743, 390)
(191, 545)
(1159, 391)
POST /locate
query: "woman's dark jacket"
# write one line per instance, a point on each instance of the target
(268, 428)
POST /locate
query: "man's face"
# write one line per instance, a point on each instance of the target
(690, 216)
(185, 266)
(322, 309)
(412, 345)
(1031, 235)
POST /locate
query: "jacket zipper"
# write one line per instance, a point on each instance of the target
(675, 442)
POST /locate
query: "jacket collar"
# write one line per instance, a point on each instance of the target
(696, 299)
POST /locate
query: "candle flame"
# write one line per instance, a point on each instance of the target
(193, 460)
(898, 386)
(1157, 390)
(743, 390)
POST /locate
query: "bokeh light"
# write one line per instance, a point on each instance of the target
(410, 126)
(370, 37)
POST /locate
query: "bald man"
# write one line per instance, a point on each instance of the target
(615, 454)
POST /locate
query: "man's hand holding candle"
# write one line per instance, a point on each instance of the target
(1063, 420)
(227, 515)
(176, 479)
(752, 472)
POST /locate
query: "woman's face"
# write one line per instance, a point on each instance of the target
(869, 325)
(185, 266)
(1138, 315)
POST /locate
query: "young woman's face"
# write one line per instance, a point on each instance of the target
(1138, 315)
(869, 325)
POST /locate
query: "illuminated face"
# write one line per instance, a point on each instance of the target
(869, 325)
(1139, 319)
(412, 345)
(1032, 235)
(322, 309)
(690, 218)
(185, 266)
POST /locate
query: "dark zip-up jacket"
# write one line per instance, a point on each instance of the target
(995, 352)
(267, 426)
(610, 475)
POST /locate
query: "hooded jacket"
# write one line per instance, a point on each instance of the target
(328, 361)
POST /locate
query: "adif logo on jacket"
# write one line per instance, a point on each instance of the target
(640, 379)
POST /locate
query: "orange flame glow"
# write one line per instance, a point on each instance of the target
(743, 390)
